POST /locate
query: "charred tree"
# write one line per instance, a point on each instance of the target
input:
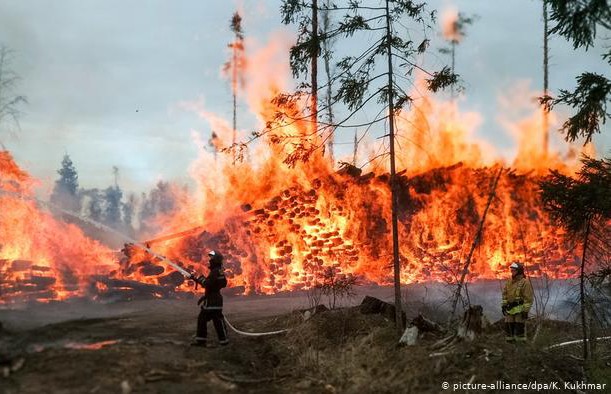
(235, 67)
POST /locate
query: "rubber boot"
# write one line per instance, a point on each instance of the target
(520, 332)
(509, 332)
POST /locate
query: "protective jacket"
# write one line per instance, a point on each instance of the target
(517, 295)
(213, 284)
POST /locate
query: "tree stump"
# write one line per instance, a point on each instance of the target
(472, 323)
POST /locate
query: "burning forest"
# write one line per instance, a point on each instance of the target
(283, 239)
(361, 154)
(283, 213)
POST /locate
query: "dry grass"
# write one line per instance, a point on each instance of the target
(345, 351)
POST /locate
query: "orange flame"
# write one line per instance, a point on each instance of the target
(280, 228)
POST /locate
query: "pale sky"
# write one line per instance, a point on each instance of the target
(105, 79)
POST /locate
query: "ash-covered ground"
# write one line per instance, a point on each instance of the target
(80, 346)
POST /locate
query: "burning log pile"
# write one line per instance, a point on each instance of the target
(340, 222)
(336, 223)
(141, 276)
(296, 227)
(32, 281)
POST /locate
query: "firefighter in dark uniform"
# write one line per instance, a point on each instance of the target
(211, 302)
(517, 301)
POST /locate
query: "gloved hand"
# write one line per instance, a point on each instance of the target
(504, 310)
(525, 315)
(201, 300)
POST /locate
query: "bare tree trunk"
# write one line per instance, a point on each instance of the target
(327, 59)
(545, 79)
(356, 149)
(476, 241)
(234, 84)
(314, 66)
(393, 181)
(582, 293)
(453, 64)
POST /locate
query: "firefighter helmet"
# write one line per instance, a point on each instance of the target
(216, 259)
(519, 267)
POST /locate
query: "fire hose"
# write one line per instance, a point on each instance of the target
(254, 334)
(164, 259)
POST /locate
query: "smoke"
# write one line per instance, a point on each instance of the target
(449, 25)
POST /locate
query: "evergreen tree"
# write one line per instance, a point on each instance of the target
(112, 202)
(94, 204)
(582, 206)
(454, 35)
(112, 206)
(578, 21)
(129, 209)
(65, 192)
(160, 200)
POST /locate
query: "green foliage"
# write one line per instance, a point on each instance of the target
(577, 21)
(441, 79)
(68, 177)
(94, 208)
(590, 98)
(576, 203)
(236, 26)
(65, 191)
(112, 206)
(364, 77)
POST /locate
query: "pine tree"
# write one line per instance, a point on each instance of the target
(578, 21)
(454, 35)
(129, 209)
(65, 192)
(112, 206)
(582, 206)
(112, 202)
(94, 206)
(160, 200)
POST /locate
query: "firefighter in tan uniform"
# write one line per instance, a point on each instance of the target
(517, 300)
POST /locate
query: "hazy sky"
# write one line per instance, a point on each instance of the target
(105, 79)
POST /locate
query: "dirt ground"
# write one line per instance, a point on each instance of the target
(142, 347)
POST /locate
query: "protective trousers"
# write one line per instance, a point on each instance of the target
(515, 328)
(216, 315)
